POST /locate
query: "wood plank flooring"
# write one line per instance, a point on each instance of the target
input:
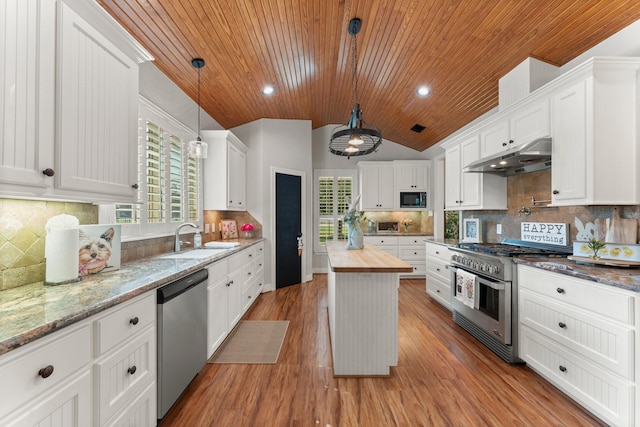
(444, 377)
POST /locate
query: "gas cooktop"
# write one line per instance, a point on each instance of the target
(514, 247)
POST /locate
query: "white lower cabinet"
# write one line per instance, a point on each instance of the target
(234, 285)
(580, 336)
(409, 249)
(140, 412)
(48, 381)
(124, 367)
(438, 279)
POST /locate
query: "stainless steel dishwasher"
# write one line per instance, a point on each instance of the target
(182, 336)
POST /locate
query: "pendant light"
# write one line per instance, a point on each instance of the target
(198, 148)
(357, 137)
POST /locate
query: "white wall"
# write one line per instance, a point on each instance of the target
(157, 88)
(281, 144)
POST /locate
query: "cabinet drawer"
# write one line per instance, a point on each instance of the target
(124, 373)
(418, 269)
(605, 394)
(411, 240)
(590, 296)
(438, 268)
(142, 412)
(381, 240)
(409, 253)
(438, 251)
(259, 248)
(217, 270)
(606, 343)
(249, 295)
(124, 321)
(440, 291)
(234, 262)
(67, 351)
(248, 272)
(248, 254)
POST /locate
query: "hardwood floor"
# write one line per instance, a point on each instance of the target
(444, 377)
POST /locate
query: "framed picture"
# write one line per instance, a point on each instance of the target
(228, 229)
(472, 230)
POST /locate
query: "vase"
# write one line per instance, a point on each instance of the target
(355, 236)
(248, 234)
(406, 228)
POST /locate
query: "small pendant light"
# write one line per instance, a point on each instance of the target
(198, 148)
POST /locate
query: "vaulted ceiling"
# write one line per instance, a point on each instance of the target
(458, 48)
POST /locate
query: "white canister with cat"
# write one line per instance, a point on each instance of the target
(61, 250)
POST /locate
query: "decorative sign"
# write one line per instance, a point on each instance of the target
(545, 232)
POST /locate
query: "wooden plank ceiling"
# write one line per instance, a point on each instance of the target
(459, 48)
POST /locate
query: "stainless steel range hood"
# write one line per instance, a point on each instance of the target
(529, 157)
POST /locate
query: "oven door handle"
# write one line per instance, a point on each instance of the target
(493, 285)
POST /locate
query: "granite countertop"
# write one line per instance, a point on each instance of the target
(370, 259)
(32, 311)
(624, 278)
(445, 242)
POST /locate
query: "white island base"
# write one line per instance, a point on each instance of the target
(363, 311)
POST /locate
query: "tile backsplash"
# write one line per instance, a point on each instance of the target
(520, 190)
(22, 236)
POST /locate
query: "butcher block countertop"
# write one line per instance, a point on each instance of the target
(368, 260)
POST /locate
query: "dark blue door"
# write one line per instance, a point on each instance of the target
(288, 227)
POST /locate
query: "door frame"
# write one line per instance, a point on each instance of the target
(303, 221)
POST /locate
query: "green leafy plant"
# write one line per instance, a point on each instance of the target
(451, 225)
(595, 245)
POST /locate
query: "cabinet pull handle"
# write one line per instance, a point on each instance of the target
(46, 371)
(135, 186)
(249, 297)
(437, 253)
(438, 290)
(560, 291)
(132, 370)
(249, 273)
(562, 325)
(437, 269)
(134, 321)
(260, 284)
(504, 144)
(562, 368)
(555, 192)
(228, 284)
(49, 172)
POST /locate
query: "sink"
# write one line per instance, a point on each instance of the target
(195, 254)
(219, 245)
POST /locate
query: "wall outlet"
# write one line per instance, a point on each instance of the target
(498, 228)
(213, 227)
(206, 228)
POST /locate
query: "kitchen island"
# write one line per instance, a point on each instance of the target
(363, 309)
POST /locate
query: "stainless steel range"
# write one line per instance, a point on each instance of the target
(492, 315)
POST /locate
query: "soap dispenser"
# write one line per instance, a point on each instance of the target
(197, 240)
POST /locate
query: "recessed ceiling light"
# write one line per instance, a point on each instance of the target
(423, 91)
(268, 90)
(503, 162)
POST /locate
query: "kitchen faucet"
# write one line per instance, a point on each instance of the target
(178, 242)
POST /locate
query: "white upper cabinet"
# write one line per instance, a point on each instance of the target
(376, 185)
(465, 190)
(27, 98)
(224, 171)
(523, 123)
(595, 154)
(69, 123)
(97, 106)
(411, 175)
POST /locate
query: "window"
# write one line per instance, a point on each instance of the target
(169, 179)
(332, 187)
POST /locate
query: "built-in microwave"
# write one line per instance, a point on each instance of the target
(413, 199)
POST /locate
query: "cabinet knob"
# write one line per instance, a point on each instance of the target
(555, 192)
(560, 291)
(260, 284)
(135, 186)
(46, 371)
(437, 253)
(132, 370)
(511, 141)
(504, 144)
(249, 297)
(415, 253)
(438, 290)
(562, 325)
(437, 268)
(134, 321)
(562, 368)
(49, 172)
